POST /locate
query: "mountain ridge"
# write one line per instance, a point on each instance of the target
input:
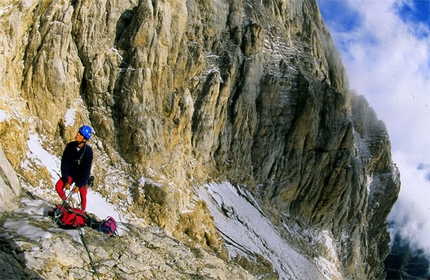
(181, 94)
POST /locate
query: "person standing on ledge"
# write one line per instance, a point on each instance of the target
(76, 165)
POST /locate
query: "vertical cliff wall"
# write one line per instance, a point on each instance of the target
(181, 93)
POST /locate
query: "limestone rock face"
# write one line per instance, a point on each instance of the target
(181, 93)
(9, 184)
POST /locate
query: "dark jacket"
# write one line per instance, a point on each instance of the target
(76, 164)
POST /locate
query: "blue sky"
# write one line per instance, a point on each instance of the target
(414, 11)
(385, 47)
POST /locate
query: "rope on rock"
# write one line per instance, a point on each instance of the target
(88, 252)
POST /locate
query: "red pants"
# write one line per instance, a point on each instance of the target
(59, 187)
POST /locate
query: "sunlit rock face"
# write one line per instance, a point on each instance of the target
(181, 93)
(9, 184)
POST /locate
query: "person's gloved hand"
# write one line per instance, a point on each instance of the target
(67, 186)
(76, 190)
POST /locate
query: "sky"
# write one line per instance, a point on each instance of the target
(385, 48)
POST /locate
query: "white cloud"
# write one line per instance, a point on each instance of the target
(388, 60)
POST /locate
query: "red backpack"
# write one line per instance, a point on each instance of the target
(69, 218)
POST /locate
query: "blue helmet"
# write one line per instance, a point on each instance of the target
(86, 131)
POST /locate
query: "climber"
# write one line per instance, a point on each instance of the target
(76, 166)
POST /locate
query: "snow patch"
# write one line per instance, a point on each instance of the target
(43, 158)
(23, 227)
(34, 207)
(247, 230)
(70, 117)
(3, 116)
